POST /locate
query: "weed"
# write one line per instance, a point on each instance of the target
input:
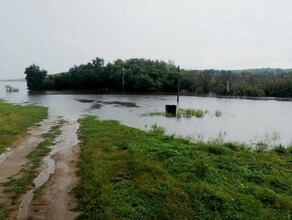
(261, 146)
(218, 113)
(4, 211)
(219, 139)
(158, 129)
(280, 149)
(154, 114)
(186, 113)
(189, 112)
(202, 167)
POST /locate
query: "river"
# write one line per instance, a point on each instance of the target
(244, 121)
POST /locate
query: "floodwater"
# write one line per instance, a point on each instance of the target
(244, 121)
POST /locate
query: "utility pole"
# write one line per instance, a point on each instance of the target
(177, 85)
(123, 80)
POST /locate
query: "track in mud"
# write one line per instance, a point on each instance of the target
(56, 179)
(54, 200)
(14, 159)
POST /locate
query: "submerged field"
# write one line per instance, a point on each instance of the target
(15, 119)
(127, 173)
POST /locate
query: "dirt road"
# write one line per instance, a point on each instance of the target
(50, 198)
(55, 200)
(14, 158)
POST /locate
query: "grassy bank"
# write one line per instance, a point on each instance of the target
(131, 174)
(16, 119)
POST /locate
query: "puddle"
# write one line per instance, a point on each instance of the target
(118, 103)
(5, 155)
(67, 139)
(23, 212)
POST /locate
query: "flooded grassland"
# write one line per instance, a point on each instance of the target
(244, 121)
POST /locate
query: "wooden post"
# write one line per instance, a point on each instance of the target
(123, 80)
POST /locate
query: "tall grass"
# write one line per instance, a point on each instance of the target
(189, 112)
(186, 113)
(131, 174)
(16, 119)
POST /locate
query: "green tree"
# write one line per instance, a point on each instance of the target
(143, 83)
(35, 77)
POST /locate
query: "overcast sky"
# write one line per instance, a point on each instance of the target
(196, 34)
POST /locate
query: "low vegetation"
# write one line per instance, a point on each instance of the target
(4, 211)
(154, 114)
(127, 173)
(15, 119)
(185, 113)
(189, 112)
(218, 113)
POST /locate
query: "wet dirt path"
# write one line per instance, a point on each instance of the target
(12, 161)
(56, 180)
(14, 158)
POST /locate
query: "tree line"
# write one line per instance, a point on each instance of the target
(154, 76)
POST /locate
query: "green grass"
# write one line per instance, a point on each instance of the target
(127, 173)
(181, 112)
(190, 112)
(16, 187)
(4, 211)
(154, 114)
(16, 119)
(185, 112)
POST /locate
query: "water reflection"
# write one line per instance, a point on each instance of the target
(248, 121)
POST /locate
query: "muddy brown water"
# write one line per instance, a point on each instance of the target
(242, 120)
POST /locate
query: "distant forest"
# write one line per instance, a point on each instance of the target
(153, 76)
